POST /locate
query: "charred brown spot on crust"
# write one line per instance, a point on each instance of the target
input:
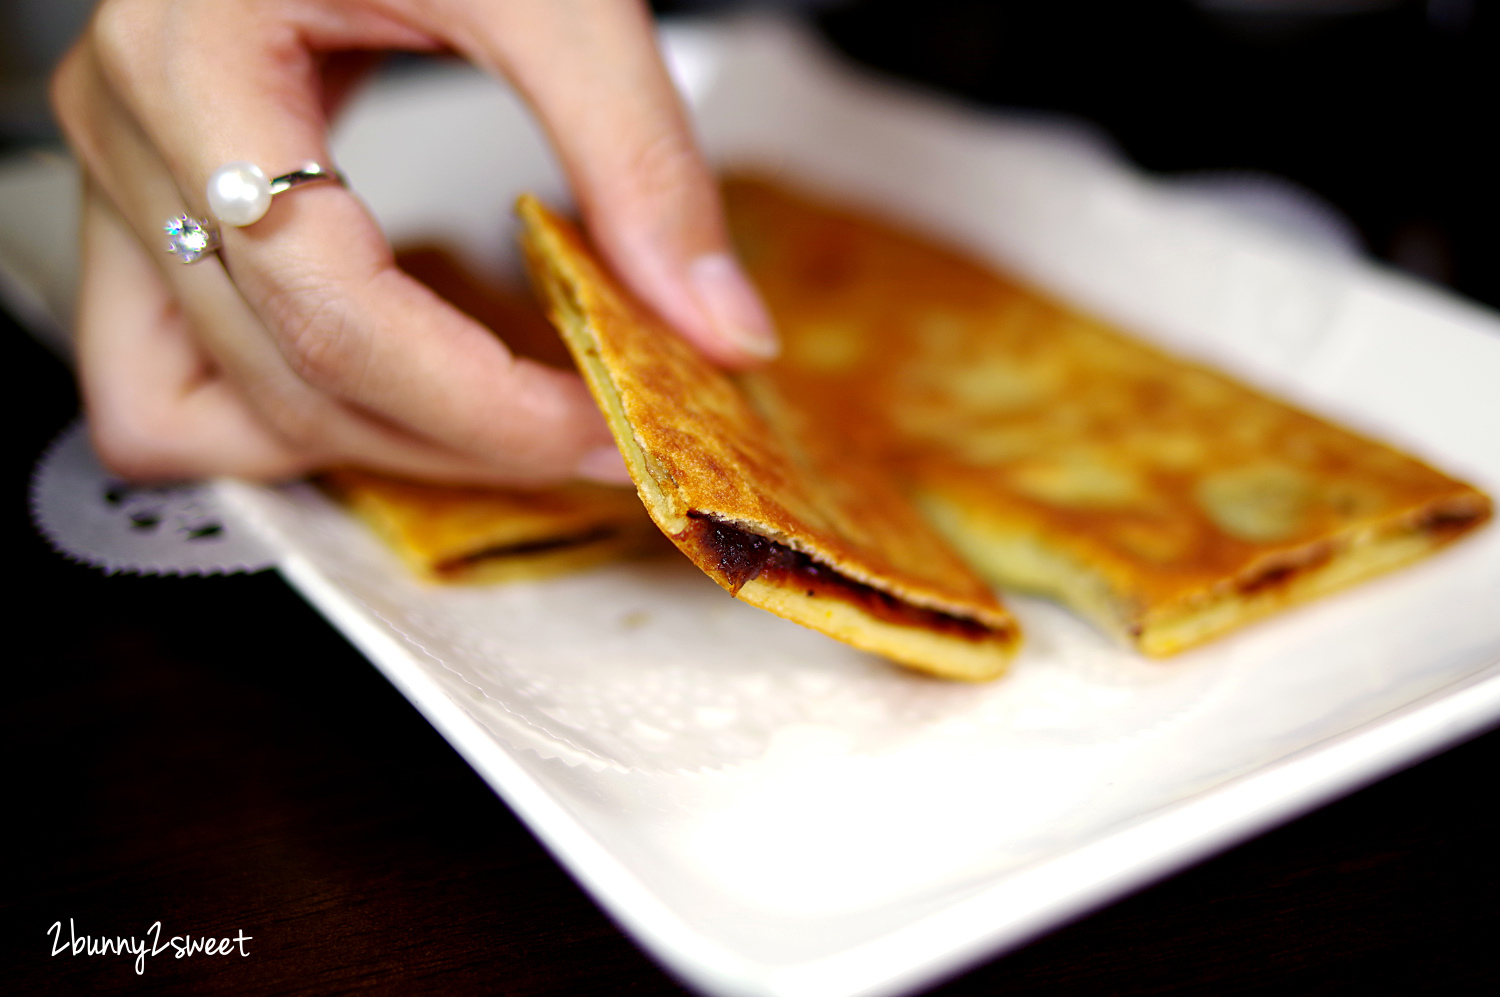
(459, 564)
(741, 556)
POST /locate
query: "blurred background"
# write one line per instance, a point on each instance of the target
(1370, 113)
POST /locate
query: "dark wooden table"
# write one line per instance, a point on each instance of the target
(210, 754)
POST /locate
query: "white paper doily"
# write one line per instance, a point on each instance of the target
(92, 516)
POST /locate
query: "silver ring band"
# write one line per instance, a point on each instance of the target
(239, 194)
(310, 173)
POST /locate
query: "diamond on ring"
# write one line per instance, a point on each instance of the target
(190, 239)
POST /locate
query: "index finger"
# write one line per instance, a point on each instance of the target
(591, 70)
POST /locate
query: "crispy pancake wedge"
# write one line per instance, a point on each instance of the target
(451, 534)
(750, 491)
(1164, 500)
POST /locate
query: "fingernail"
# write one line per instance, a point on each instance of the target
(733, 305)
(604, 465)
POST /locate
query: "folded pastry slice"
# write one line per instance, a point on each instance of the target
(453, 534)
(1162, 499)
(753, 493)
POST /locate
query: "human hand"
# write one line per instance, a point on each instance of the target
(302, 345)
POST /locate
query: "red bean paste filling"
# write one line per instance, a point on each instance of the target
(741, 556)
(1442, 523)
(1281, 573)
(1446, 523)
(596, 535)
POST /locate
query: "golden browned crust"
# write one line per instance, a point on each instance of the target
(452, 534)
(702, 450)
(1160, 498)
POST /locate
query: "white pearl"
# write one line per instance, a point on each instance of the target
(239, 193)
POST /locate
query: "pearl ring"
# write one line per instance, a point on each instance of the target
(239, 194)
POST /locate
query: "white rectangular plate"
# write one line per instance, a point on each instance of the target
(770, 812)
